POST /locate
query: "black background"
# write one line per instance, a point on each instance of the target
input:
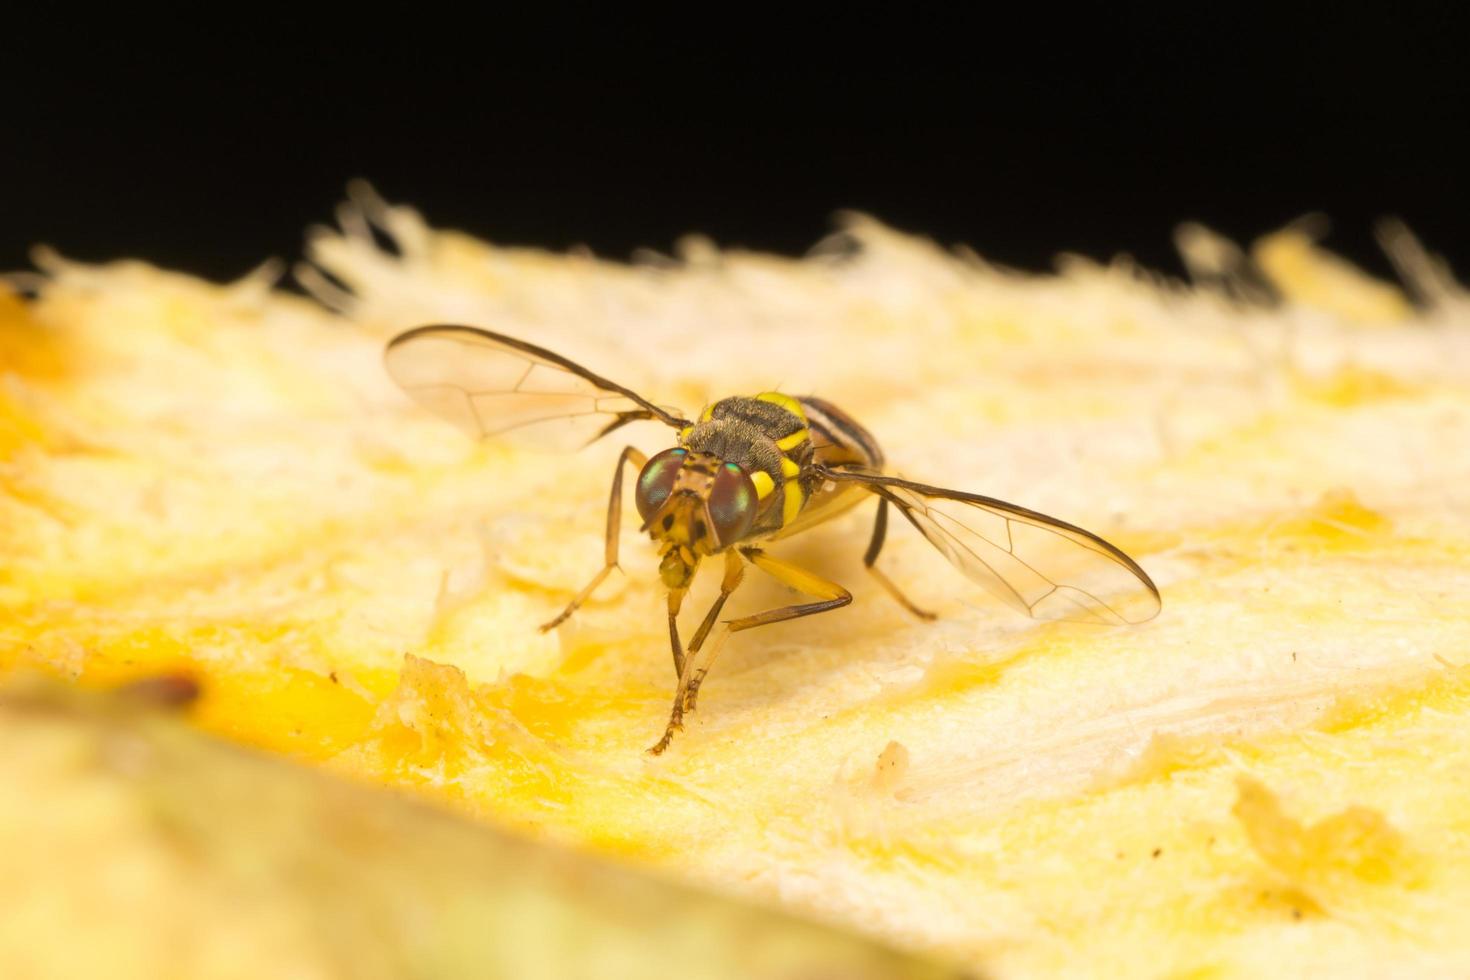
(209, 147)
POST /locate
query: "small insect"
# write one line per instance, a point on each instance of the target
(755, 469)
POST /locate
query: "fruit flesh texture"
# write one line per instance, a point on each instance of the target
(221, 480)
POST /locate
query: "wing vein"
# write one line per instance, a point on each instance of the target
(487, 384)
(1065, 572)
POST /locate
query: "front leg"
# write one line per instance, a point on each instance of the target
(610, 553)
(676, 599)
(734, 572)
(831, 596)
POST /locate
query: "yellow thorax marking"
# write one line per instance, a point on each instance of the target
(790, 442)
(791, 506)
(785, 401)
(790, 468)
(708, 413)
(763, 483)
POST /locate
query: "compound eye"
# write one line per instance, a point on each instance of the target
(656, 481)
(732, 504)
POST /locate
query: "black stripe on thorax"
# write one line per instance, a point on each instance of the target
(740, 442)
(773, 420)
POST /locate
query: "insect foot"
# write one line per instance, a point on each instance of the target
(691, 693)
(658, 747)
(676, 724)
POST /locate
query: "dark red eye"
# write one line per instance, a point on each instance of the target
(656, 481)
(732, 504)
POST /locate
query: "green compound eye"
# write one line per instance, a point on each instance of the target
(732, 504)
(656, 481)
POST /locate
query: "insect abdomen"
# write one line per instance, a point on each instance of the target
(837, 438)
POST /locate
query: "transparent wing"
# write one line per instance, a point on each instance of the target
(1037, 565)
(491, 385)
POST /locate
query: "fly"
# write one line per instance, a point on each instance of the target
(750, 470)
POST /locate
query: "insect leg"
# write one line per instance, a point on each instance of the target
(880, 530)
(676, 599)
(832, 596)
(610, 555)
(734, 572)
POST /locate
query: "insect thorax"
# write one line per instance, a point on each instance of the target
(767, 436)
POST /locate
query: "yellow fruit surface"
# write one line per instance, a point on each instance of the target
(1272, 777)
(146, 849)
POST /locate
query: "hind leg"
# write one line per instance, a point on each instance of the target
(875, 545)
